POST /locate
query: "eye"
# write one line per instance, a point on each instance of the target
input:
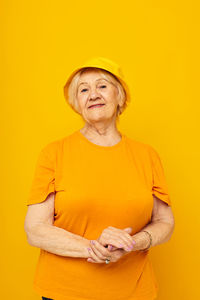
(103, 86)
(83, 90)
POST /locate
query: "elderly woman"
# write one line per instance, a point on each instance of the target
(99, 199)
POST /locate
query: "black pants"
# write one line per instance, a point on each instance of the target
(43, 298)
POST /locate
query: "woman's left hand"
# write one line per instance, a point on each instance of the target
(98, 254)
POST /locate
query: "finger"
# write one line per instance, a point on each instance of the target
(99, 250)
(126, 238)
(116, 241)
(112, 241)
(128, 229)
(129, 237)
(128, 243)
(108, 237)
(103, 242)
(126, 233)
(119, 234)
(110, 247)
(94, 256)
(89, 259)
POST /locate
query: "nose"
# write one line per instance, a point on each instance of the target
(93, 94)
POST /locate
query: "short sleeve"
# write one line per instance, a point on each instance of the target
(159, 184)
(44, 176)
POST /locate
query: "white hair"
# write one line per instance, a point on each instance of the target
(73, 87)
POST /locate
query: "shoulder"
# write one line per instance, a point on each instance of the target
(141, 147)
(51, 147)
(54, 147)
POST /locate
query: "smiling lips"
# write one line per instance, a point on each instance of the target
(96, 105)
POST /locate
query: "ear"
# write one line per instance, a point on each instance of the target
(121, 101)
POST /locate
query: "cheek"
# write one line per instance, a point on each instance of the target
(81, 99)
(112, 94)
(111, 98)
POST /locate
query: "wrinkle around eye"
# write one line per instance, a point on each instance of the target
(102, 86)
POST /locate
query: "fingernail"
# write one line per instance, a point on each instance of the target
(89, 249)
(92, 242)
(133, 242)
(89, 260)
(121, 245)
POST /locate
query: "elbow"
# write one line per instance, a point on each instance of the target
(29, 238)
(171, 225)
(29, 235)
(170, 220)
(30, 242)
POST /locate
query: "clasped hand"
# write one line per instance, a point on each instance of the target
(112, 244)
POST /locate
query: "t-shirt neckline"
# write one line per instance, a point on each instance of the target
(117, 145)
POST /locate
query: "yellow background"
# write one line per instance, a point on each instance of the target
(156, 43)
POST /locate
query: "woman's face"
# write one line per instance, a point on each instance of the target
(93, 89)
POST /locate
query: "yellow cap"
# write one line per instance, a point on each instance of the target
(102, 63)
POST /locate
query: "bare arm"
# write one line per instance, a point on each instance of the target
(161, 226)
(43, 234)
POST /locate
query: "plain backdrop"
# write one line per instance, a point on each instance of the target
(156, 44)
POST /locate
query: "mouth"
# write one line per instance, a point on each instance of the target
(96, 105)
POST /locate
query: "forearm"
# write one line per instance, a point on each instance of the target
(160, 231)
(58, 241)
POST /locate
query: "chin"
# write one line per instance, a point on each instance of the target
(97, 118)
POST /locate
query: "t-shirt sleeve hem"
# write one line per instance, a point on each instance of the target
(163, 197)
(41, 198)
(159, 185)
(44, 176)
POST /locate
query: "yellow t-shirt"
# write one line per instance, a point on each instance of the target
(95, 187)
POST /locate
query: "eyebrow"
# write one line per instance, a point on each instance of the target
(96, 80)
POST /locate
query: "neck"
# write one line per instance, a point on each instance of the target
(103, 134)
